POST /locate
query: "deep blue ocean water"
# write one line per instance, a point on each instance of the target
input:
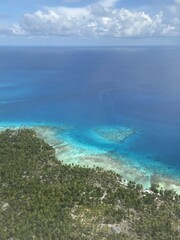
(135, 87)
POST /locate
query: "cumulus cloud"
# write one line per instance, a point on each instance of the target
(174, 9)
(14, 30)
(97, 20)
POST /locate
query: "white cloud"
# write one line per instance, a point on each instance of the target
(176, 22)
(96, 20)
(93, 21)
(174, 10)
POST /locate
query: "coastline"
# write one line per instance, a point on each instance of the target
(71, 154)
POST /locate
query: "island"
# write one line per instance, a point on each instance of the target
(43, 198)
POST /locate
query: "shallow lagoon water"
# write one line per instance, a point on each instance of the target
(114, 108)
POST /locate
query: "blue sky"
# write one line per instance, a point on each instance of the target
(90, 22)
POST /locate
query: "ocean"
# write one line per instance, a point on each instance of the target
(118, 108)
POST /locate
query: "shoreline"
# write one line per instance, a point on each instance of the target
(70, 154)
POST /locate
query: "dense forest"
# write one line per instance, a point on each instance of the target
(43, 198)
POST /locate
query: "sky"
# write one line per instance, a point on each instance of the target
(89, 22)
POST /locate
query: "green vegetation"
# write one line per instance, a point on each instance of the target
(42, 198)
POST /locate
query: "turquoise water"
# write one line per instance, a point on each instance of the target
(115, 108)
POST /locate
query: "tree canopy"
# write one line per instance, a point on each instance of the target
(43, 198)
